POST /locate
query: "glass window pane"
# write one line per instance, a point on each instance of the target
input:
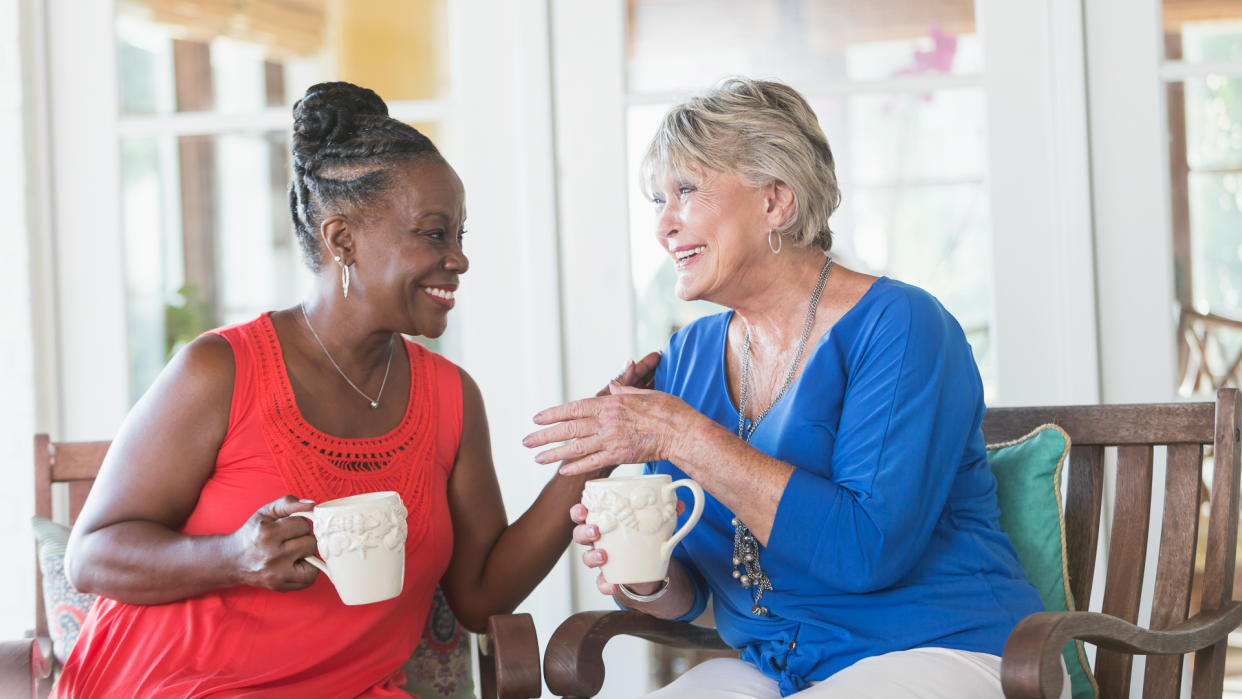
(1216, 241)
(1198, 31)
(244, 57)
(896, 138)
(807, 43)
(1214, 122)
(207, 238)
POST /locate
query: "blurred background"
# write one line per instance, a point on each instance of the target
(1065, 175)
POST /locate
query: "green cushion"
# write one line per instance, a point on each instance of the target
(1028, 490)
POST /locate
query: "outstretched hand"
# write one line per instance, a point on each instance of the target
(271, 545)
(626, 426)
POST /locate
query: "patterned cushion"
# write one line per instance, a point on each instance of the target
(66, 608)
(440, 666)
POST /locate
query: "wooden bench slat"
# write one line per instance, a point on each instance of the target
(1127, 557)
(1082, 519)
(1175, 569)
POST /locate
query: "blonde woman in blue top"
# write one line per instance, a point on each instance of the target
(850, 544)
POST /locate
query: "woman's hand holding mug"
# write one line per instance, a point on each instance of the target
(636, 517)
(270, 547)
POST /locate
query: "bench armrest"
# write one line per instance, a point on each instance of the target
(1031, 665)
(509, 658)
(25, 667)
(574, 664)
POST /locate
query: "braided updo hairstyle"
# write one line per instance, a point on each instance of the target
(344, 148)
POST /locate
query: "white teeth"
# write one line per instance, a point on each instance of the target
(683, 254)
(439, 293)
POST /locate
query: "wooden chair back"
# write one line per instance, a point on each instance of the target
(74, 464)
(1137, 436)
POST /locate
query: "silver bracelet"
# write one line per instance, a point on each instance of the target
(645, 598)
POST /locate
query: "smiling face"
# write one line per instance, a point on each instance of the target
(713, 226)
(409, 249)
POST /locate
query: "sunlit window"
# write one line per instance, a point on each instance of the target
(1203, 71)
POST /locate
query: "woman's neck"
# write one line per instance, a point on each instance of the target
(775, 313)
(345, 330)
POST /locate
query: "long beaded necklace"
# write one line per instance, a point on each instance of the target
(746, 568)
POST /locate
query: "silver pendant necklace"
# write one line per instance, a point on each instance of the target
(373, 401)
(746, 568)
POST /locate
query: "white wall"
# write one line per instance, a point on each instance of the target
(17, 379)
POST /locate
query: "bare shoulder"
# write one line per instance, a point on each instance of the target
(209, 353)
(847, 288)
(205, 367)
(195, 389)
(471, 396)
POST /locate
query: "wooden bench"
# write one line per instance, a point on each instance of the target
(1030, 667)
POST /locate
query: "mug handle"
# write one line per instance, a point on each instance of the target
(666, 550)
(313, 560)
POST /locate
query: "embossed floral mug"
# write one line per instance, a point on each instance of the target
(362, 541)
(635, 516)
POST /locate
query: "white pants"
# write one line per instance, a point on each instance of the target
(921, 673)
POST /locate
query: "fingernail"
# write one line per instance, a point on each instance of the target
(526, 441)
(564, 471)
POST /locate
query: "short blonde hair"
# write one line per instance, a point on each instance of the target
(763, 132)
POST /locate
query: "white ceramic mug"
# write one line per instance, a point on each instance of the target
(635, 516)
(362, 541)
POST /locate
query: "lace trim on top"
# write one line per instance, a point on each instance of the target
(321, 467)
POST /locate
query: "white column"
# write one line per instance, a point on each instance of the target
(17, 381)
(1038, 178)
(1130, 181)
(89, 306)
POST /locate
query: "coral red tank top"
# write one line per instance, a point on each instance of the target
(246, 641)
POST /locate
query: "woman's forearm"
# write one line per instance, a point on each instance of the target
(747, 481)
(147, 563)
(525, 552)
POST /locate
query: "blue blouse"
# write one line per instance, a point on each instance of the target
(886, 537)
